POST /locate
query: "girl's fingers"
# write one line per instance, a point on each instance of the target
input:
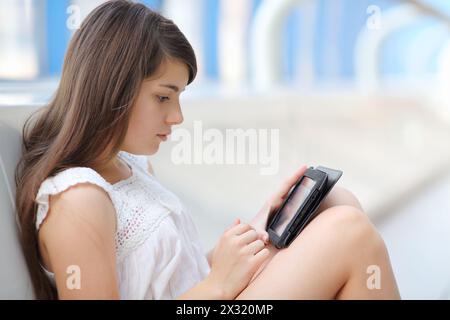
(244, 228)
(249, 237)
(240, 229)
(256, 246)
(263, 235)
(261, 256)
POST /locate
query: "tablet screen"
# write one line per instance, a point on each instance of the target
(296, 199)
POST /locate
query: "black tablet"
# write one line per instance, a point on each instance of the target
(300, 206)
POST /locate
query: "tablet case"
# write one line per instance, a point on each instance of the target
(332, 177)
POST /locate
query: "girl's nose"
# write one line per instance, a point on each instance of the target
(175, 116)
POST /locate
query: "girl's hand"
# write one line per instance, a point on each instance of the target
(236, 258)
(259, 222)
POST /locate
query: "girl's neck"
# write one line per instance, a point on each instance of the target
(114, 170)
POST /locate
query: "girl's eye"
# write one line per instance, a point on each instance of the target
(162, 98)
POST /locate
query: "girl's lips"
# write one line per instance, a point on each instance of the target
(163, 137)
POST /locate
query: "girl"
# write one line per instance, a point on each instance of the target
(96, 223)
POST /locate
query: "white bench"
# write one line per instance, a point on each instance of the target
(14, 277)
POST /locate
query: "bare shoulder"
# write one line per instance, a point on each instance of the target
(80, 231)
(84, 203)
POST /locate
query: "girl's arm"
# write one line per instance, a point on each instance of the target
(208, 289)
(234, 261)
(78, 237)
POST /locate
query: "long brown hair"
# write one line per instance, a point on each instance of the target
(118, 45)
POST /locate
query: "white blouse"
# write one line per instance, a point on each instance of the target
(158, 251)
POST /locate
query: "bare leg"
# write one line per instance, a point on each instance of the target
(339, 196)
(328, 260)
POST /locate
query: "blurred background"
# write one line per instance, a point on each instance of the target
(362, 86)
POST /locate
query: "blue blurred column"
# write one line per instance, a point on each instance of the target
(57, 34)
(210, 38)
(153, 4)
(291, 34)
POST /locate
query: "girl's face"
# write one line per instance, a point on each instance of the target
(157, 109)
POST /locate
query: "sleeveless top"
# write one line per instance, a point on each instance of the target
(158, 250)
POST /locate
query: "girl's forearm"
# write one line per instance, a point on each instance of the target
(208, 289)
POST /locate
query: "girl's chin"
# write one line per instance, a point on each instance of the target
(146, 149)
(149, 150)
(154, 148)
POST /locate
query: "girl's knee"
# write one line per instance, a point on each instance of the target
(340, 196)
(348, 198)
(349, 226)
